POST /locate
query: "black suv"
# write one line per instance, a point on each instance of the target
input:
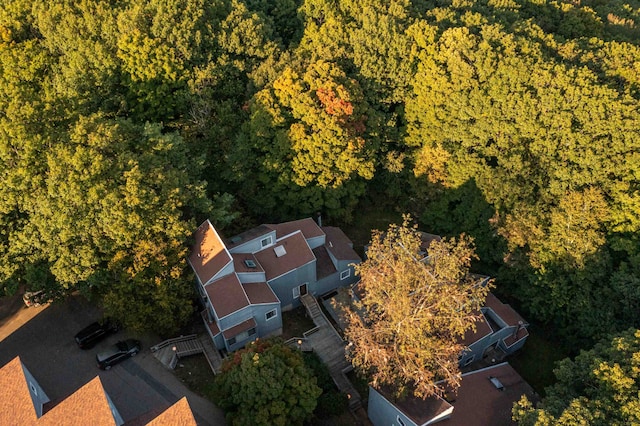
(93, 333)
(118, 352)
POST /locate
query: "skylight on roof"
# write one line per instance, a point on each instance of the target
(280, 251)
(250, 263)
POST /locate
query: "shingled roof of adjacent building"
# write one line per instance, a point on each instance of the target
(226, 295)
(87, 405)
(209, 254)
(179, 414)
(16, 405)
(483, 401)
(482, 329)
(260, 293)
(296, 254)
(420, 411)
(504, 311)
(308, 227)
(339, 244)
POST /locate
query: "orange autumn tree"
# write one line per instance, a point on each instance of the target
(405, 330)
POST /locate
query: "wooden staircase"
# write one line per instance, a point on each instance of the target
(330, 347)
(169, 351)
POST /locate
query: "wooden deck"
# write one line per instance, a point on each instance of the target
(330, 347)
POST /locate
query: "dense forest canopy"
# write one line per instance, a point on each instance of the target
(123, 124)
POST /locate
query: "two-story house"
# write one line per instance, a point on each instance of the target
(247, 281)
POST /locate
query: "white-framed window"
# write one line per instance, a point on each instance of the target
(266, 241)
(296, 292)
(399, 420)
(345, 274)
(469, 360)
(271, 314)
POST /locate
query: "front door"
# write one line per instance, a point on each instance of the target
(303, 289)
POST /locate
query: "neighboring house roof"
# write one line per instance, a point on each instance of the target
(339, 244)
(295, 252)
(87, 405)
(324, 264)
(308, 227)
(483, 329)
(260, 293)
(226, 295)
(504, 311)
(479, 400)
(426, 239)
(209, 254)
(246, 236)
(420, 411)
(179, 414)
(241, 265)
(239, 328)
(16, 405)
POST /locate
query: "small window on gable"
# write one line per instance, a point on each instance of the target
(470, 360)
(33, 389)
(271, 314)
(266, 241)
(345, 274)
(399, 420)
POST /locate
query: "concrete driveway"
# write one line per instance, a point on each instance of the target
(43, 338)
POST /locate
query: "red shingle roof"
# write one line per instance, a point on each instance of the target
(419, 410)
(297, 253)
(226, 295)
(480, 402)
(504, 311)
(239, 264)
(260, 293)
(308, 227)
(482, 329)
(339, 244)
(209, 254)
(16, 406)
(239, 328)
(87, 405)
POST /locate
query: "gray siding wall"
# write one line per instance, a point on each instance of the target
(283, 286)
(228, 269)
(241, 344)
(235, 318)
(316, 241)
(218, 341)
(251, 277)
(382, 413)
(267, 326)
(114, 411)
(477, 349)
(38, 397)
(254, 245)
(511, 349)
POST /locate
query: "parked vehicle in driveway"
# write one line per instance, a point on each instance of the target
(93, 333)
(117, 353)
(35, 298)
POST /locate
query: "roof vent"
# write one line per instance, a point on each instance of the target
(496, 383)
(250, 263)
(280, 251)
(236, 239)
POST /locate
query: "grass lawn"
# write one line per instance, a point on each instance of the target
(195, 373)
(536, 360)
